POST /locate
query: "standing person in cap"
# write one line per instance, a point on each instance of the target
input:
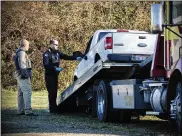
(23, 76)
(51, 61)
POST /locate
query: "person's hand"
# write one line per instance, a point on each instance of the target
(79, 58)
(58, 69)
(30, 74)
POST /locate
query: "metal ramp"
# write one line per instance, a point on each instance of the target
(146, 61)
(79, 82)
(87, 76)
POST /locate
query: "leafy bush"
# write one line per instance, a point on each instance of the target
(71, 23)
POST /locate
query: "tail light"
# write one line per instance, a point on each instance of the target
(108, 43)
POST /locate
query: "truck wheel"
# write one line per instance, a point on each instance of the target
(94, 96)
(176, 106)
(102, 101)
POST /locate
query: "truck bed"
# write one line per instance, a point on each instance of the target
(95, 71)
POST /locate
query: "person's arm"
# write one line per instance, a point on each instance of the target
(22, 65)
(66, 57)
(46, 62)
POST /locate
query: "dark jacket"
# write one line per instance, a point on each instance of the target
(51, 60)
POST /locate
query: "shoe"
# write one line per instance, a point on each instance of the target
(31, 114)
(20, 113)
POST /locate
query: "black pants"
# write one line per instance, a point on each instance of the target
(52, 86)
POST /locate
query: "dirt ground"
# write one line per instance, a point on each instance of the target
(77, 124)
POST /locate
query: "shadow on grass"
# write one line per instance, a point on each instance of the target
(78, 123)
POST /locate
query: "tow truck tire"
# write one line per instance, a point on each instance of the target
(179, 107)
(94, 95)
(102, 101)
(176, 103)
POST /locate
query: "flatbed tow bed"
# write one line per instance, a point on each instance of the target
(99, 67)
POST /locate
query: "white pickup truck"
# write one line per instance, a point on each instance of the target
(116, 46)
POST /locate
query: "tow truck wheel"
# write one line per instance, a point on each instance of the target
(176, 106)
(179, 107)
(102, 101)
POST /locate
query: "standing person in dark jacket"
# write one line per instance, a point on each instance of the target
(51, 61)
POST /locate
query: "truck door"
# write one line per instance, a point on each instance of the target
(83, 65)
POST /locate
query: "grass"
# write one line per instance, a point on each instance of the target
(39, 99)
(69, 123)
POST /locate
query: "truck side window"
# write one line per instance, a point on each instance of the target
(88, 45)
(101, 35)
(177, 12)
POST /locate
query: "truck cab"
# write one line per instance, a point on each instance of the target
(167, 21)
(159, 54)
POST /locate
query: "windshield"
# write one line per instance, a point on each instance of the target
(177, 12)
(101, 35)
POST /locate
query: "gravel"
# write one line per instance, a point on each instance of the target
(76, 124)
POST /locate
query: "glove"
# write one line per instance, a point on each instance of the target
(58, 69)
(79, 58)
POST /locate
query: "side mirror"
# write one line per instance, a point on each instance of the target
(180, 52)
(78, 54)
(156, 18)
(85, 57)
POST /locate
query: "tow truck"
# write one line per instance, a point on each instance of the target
(153, 86)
